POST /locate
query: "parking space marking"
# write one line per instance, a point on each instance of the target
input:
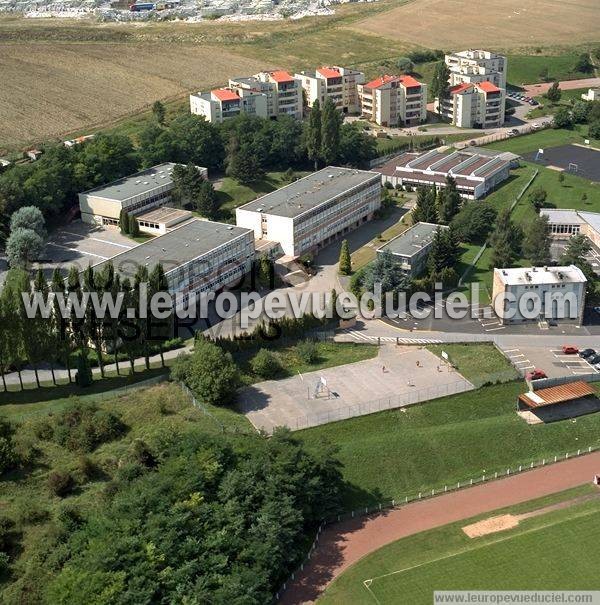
(104, 241)
(77, 250)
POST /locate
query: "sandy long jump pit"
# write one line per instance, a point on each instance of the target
(397, 377)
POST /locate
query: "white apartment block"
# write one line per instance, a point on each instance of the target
(539, 283)
(479, 105)
(313, 211)
(339, 84)
(136, 194)
(394, 101)
(266, 95)
(473, 66)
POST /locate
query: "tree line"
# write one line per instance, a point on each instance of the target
(245, 147)
(78, 343)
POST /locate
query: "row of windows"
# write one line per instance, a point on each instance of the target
(566, 229)
(148, 201)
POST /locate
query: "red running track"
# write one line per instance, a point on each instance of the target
(342, 544)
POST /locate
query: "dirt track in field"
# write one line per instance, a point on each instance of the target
(344, 543)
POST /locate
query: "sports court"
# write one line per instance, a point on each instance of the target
(581, 160)
(397, 377)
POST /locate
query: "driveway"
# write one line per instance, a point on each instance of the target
(539, 89)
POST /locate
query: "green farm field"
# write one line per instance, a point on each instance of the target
(406, 572)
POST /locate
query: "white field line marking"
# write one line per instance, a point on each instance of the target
(490, 543)
(76, 250)
(522, 361)
(367, 585)
(510, 350)
(517, 355)
(526, 367)
(97, 239)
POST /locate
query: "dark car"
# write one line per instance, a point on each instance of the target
(587, 353)
(593, 359)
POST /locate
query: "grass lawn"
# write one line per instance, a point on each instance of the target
(367, 253)
(329, 354)
(395, 453)
(547, 108)
(526, 69)
(445, 558)
(232, 194)
(478, 363)
(548, 137)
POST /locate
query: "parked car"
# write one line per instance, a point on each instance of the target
(593, 360)
(535, 374)
(570, 350)
(597, 310)
(587, 353)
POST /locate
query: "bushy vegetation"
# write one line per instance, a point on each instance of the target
(82, 427)
(179, 508)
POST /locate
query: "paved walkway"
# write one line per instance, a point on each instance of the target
(343, 544)
(538, 89)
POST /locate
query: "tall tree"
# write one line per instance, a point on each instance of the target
(93, 328)
(425, 210)
(207, 200)
(313, 134)
(331, 123)
(141, 281)
(554, 93)
(448, 202)
(124, 221)
(345, 262)
(536, 241)
(159, 112)
(242, 163)
(187, 181)
(505, 240)
(61, 325)
(29, 217)
(440, 85)
(157, 283)
(22, 247)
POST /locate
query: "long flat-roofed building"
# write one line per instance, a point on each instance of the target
(136, 194)
(200, 256)
(543, 282)
(315, 210)
(475, 174)
(411, 248)
(394, 101)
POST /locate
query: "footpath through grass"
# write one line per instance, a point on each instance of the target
(409, 570)
(396, 453)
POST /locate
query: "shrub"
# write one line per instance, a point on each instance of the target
(266, 364)
(87, 468)
(83, 375)
(307, 351)
(8, 457)
(60, 483)
(210, 372)
(142, 454)
(4, 563)
(83, 427)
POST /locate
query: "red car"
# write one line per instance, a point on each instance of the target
(570, 350)
(535, 374)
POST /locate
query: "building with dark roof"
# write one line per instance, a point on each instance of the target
(475, 174)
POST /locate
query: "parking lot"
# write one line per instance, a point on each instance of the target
(80, 244)
(551, 360)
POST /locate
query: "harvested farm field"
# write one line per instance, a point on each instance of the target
(505, 24)
(49, 89)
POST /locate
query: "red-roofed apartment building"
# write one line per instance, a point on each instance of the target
(477, 89)
(267, 94)
(479, 105)
(394, 101)
(336, 83)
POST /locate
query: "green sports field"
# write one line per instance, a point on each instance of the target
(557, 550)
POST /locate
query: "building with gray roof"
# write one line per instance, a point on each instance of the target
(411, 248)
(200, 256)
(313, 211)
(135, 193)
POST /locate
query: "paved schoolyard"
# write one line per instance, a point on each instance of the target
(392, 379)
(586, 159)
(80, 244)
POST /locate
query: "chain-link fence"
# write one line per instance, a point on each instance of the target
(411, 397)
